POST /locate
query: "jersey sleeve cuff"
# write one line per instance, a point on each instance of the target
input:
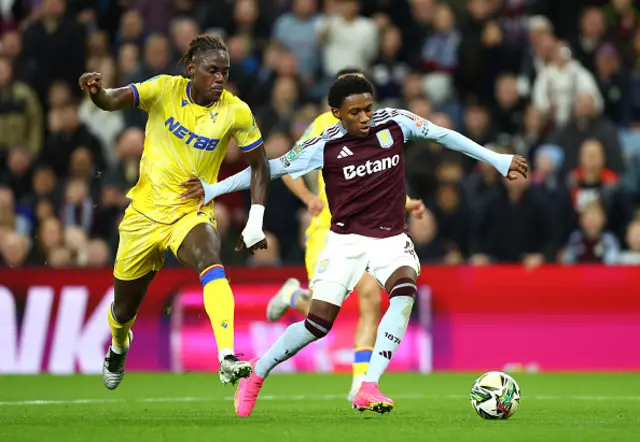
(252, 146)
(136, 94)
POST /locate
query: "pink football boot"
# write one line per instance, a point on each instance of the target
(247, 393)
(369, 398)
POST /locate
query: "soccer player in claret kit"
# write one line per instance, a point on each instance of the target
(363, 167)
(191, 121)
(292, 295)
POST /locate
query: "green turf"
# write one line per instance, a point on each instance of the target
(302, 408)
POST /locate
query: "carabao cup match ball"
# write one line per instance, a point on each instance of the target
(495, 395)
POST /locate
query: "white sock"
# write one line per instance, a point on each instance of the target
(390, 333)
(118, 350)
(294, 339)
(223, 352)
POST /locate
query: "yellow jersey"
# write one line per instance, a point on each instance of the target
(319, 125)
(184, 139)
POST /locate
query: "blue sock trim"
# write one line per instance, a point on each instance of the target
(212, 274)
(362, 356)
(292, 300)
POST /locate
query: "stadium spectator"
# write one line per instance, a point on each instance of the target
(560, 83)
(131, 29)
(10, 220)
(592, 243)
(97, 254)
(440, 51)
(14, 250)
(53, 48)
(49, 236)
(18, 173)
(59, 95)
(389, 70)
(450, 209)
(20, 113)
(592, 181)
(593, 28)
(66, 134)
(613, 83)
(183, 30)
(128, 61)
(538, 53)
(282, 201)
(347, 38)
(588, 123)
(622, 19)
(509, 108)
(428, 244)
(631, 254)
(515, 227)
(531, 133)
(297, 31)
(279, 113)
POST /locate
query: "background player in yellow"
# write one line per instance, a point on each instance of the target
(191, 121)
(292, 295)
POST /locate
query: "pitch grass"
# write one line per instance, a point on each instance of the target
(302, 408)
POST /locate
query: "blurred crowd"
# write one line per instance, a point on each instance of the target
(555, 81)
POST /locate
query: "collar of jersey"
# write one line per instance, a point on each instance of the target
(188, 91)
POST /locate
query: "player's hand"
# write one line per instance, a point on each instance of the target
(91, 81)
(518, 166)
(244, 243)
(314, 206)
(416, 208)
(194, 191)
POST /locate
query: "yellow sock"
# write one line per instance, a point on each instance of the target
(361, 359)
(220, 306)
(119, 332)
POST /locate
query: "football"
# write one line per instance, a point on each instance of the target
(495, 395)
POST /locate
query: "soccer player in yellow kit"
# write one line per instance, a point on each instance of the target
(292, 295)
(191, 121)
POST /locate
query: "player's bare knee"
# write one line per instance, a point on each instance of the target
(123, 312)
(403, 287)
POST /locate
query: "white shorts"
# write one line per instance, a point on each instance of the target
(346, 257)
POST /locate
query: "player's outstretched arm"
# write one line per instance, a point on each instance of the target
(197, 188)
(106, 99)
(416, 127)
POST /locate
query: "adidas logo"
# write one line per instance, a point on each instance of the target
(345, 152)
(386, 354)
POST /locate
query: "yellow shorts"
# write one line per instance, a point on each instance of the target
(143, 242)
(315, 241)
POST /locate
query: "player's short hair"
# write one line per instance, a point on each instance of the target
(202, 43)
(349, 71)
(347, 86)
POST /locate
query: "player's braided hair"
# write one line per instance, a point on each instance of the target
(346, 86)
(202, 43)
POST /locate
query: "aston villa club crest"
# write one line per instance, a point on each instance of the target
(385, 139)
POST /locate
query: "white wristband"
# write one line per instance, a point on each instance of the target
(256, 216)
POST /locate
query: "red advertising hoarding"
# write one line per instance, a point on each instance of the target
(551, 318)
